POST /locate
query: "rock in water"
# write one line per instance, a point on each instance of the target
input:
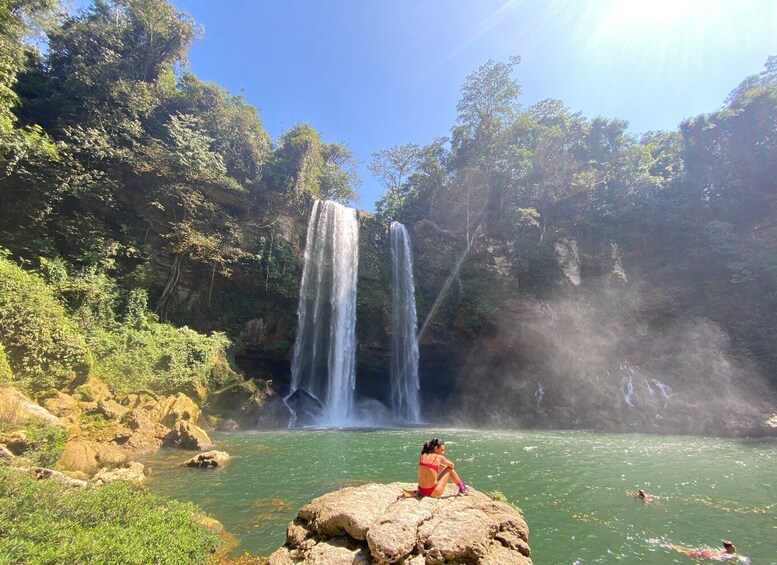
(373, 523)
(208, 459)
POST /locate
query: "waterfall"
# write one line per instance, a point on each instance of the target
(405, 402)
(324, 351)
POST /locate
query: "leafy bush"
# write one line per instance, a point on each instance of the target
(45, 522)
(43, 348)
(6, 375)
(46, 443)
(160, 357)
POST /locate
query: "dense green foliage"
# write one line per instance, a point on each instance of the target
(43, 348)
(697, 205)
(145, 160)
(54, 335)
(45, 443)
(44, 522)
(134, 186)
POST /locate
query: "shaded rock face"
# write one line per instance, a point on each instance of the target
(373, 523)
(569, 259)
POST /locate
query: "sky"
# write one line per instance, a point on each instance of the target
(377, 73)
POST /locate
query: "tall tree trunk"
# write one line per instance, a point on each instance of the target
(172, 283)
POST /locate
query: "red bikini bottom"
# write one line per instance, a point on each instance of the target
(426, 491)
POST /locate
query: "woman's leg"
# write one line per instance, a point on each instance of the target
(442, 480)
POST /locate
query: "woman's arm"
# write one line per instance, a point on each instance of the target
(443, 462)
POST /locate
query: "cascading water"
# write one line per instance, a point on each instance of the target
(405, 402)
(324, 351)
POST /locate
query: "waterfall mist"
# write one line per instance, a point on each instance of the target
(597, 359)
(405, 403)
(323, 364)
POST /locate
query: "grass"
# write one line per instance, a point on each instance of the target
(44, 522)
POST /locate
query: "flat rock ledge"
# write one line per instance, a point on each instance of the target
(372, 523)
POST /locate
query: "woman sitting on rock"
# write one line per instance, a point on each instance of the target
(434, 470)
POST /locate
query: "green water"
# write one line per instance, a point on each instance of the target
(575, 488)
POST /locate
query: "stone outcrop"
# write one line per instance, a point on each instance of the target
(373, 523)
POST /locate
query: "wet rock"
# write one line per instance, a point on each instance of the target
(374, 524)
(227, 425)
(305, 407)
(208, 459)
(210, 524)
(568, 259)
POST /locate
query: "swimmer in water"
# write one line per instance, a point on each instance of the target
(644, 497)
(728, 552)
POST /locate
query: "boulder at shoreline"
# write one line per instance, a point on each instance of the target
(373, 523)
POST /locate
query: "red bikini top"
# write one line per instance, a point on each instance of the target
(435, 468)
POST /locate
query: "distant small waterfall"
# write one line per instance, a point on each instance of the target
(405, 402)
(323, 364)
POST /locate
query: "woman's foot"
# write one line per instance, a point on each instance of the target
(464, 491)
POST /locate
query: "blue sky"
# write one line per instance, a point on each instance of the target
(378, 73)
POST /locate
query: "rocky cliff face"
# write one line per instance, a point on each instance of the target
(373, 523)
(550, 329)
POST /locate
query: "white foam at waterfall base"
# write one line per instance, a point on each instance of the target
(405, 403)
(324, 361)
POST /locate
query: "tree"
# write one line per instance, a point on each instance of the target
(109, 64)
(392, 167)
(487, 107)
(19, 18)
(339, 178)
(304, 165)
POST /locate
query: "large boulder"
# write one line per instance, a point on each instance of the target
(188, 436)
(79, 456)
(136, 432)
(374, 523)
(15, 407)
(305, 409)
(178, 408)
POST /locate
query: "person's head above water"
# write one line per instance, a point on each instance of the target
(431, 445)
(729, 547)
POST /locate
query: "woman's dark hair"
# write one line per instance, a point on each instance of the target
(431, 445)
